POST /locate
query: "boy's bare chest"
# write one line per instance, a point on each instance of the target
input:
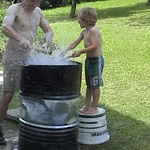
(87, 39)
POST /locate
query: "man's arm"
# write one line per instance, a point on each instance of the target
(9, 31)
(8, 22)
(44, 25)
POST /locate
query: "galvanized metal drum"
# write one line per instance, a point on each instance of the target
(40, 137)
(50, 96)
(48, 111)
(51, 81)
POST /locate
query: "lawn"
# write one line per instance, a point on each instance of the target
(125, 29)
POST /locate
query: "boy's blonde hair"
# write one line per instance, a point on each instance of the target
(88, 14)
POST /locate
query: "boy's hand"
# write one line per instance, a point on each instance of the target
(76, 54)
(63, 52)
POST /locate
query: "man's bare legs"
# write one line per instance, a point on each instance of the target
(89, 93)
(4, 103)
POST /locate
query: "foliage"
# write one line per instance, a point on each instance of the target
(3, 7)
(53, 3)
(45, 4)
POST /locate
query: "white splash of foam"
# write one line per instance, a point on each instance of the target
(39, 58)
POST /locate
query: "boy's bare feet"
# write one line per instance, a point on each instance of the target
(91, 110)
(84, 109)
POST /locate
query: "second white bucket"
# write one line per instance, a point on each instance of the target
(92, 128)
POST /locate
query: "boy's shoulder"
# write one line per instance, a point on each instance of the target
(94, 28)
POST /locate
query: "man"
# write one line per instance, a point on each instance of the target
(20, 26)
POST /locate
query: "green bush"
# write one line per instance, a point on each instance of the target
(45, 4)
(2, 36)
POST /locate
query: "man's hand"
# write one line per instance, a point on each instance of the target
(24, 43)
(48, 37)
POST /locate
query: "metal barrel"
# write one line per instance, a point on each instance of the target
(50, 96)
(38, 137)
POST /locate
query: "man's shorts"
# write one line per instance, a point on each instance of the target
(93, 71)
(12, 61)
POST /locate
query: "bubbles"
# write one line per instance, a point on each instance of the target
(40, 58)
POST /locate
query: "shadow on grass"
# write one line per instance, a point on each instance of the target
(124, 11)
(115, 12)
(125, 132)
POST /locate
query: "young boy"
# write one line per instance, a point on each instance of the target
(94, 62)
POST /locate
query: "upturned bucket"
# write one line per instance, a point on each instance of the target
(92, 128)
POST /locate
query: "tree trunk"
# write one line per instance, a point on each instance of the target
(73, 9)
(148, 2)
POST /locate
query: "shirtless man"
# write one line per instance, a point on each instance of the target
(94, 62)
(20, 26)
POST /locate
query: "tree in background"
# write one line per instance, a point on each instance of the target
(148, 2)
(73, 8)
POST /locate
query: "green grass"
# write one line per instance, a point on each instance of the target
(125, 29)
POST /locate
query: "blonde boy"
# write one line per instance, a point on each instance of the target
(94, 62)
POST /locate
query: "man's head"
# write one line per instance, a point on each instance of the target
(32, 4)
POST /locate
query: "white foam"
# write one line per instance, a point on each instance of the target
(39, 58)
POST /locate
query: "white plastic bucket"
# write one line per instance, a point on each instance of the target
(92, 128)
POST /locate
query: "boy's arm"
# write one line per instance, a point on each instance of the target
(73, 44)
(92, 47)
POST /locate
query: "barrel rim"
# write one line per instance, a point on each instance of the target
(26, 64)
(49, 127)
(50, 97)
